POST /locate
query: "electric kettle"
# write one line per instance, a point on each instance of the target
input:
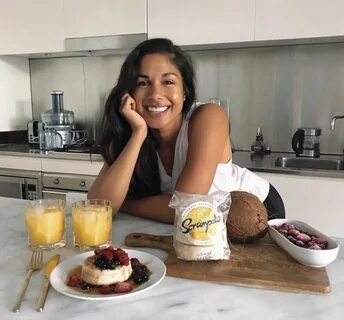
(305, 142)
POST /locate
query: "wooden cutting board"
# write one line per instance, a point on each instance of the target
(260, 265)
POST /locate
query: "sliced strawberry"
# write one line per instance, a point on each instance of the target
(122, 287)
(106, 289)
(74, 281)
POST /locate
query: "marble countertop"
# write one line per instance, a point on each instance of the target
(173, 298)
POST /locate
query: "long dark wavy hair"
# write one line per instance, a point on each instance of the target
(115, 129)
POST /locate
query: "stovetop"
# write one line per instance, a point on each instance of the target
(80, 148)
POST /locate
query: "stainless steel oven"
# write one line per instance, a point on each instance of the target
(56, 185)
(20, 184)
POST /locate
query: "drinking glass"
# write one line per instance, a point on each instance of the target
(92, 224)
(46, 223)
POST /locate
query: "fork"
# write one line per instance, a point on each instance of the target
(35, 263)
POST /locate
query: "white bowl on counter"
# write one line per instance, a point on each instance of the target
(306, 256)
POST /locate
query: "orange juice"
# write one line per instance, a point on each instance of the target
(92, 223)
(45, 223)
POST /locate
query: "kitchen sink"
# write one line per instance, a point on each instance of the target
(309, 163)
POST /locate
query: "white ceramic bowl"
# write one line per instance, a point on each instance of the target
(308, 257)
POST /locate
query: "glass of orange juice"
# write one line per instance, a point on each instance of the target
(92, 224)
(45, 223)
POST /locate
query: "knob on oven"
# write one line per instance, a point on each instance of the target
(82, 183)
(56, 181)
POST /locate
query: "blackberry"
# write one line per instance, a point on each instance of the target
(140, 268)
(85, 286)
(101, 263)
(140, 277)
(135, 262)
(112, 264)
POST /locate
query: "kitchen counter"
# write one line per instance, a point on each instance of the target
(22, 157)
(24, 150)
(265, 163)
(242, 158)
(173, 298)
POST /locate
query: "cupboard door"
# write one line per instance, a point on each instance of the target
(313, 200)
(31, 26)
(89, 18)
(15, 93)
(201, 21)
(293, 19)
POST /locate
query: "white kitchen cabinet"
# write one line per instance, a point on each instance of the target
(71, 166)
(294, 19)
(15, 93)
(31, 26)
(63, 166)
(201, 21)
(89, 18)
(20, 163)
(316, 200)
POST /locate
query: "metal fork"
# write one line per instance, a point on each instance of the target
(35, 263)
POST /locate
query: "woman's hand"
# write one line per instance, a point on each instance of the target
(135, 120)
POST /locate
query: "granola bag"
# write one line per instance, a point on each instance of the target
(200, 231)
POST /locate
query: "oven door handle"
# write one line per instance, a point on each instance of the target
(54, 192)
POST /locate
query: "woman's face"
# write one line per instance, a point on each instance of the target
(159, 94)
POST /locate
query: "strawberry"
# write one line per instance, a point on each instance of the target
(108, 254)
(122, 287)
(98, 251)
(106, 289)
(74, 281)
(121, 256)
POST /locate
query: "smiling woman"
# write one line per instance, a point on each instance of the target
(155, 141)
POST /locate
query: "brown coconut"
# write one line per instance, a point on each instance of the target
(247, 219)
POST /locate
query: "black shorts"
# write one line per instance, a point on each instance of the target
(274, 204)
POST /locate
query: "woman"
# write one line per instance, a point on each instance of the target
(154, 142)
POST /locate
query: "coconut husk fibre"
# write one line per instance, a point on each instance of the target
(247, 219)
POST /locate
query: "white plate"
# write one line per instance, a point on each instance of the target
(60, 274)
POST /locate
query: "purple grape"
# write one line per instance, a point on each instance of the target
(303, 237)
(300, 243)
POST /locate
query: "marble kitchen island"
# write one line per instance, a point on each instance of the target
(173, 298)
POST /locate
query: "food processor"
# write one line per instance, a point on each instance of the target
(59, 119)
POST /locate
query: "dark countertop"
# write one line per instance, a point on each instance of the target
(266, 163)
(24, 150)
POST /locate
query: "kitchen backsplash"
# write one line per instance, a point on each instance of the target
(276, 88)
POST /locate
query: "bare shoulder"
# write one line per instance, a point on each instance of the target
(209, 114)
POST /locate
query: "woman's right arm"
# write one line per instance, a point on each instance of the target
(113, 181)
